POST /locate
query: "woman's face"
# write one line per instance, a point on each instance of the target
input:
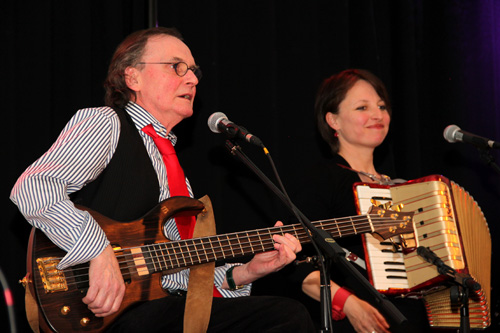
(362, 120)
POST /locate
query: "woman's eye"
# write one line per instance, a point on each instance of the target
(382, 107)
(361, 108)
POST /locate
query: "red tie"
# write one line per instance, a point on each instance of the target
(176, 179)
(176, 183)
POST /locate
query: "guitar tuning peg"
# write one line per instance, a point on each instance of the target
(403, 241)
(396, 208)
(395, 246)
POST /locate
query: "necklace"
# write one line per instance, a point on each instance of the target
(382, 180)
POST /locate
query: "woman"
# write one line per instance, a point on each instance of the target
(353, 114)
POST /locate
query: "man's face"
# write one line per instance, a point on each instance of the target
(166, 95)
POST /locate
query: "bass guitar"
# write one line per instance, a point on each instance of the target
(144, 254)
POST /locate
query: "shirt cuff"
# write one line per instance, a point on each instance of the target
(91, 243)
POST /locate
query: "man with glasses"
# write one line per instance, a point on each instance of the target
(106, 159)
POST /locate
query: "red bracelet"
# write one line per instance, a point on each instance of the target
(338, 302)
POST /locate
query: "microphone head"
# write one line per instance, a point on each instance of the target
(214, 120)
(450, 133)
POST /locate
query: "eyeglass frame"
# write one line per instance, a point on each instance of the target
(195, 69)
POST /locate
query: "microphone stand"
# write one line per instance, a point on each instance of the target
(331, 250)
(464, 283)
(487, 158)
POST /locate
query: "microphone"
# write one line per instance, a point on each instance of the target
(429, 256)
(463, 279)
(218, 123)
(453, 134)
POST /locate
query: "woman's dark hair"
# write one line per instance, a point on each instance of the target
(129, 53)
(332, 92)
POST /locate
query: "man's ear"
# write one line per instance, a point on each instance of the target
(331, 120)
(132, 78)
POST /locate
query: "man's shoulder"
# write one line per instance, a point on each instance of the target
(105, 111)
(103, 115)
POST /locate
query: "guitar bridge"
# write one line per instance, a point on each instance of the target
(53, 279)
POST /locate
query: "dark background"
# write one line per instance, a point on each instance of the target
(262, 63)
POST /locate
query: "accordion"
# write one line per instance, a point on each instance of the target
(449, 222)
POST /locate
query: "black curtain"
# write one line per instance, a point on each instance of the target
(262, 63)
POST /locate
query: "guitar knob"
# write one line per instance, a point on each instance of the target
(84, 321)
(65, 310)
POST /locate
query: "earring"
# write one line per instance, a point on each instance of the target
(336, 134)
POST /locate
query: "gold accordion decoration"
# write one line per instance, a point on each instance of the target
(452, 225)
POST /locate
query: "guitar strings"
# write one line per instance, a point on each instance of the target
(274, 230)
(343, 229)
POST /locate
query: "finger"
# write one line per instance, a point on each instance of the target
(381, 321)
(284, 243)
(107, 300)
(295, 241)
(90, 296)
(103, 306)
(285, 254)
(287, 240)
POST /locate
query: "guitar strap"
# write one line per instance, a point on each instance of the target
(31, 306)
(201, 278)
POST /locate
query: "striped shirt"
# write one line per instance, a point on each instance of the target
(78, 156)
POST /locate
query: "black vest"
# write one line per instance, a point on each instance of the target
(128, 188)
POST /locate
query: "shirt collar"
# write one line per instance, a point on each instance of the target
(142, 118)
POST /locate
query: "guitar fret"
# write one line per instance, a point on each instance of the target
(176, 257)
(250, 242)
(205, 251)
(353, 226)
(164, 254)
(196, 253)
(212, 248)
(261, 243)
(271, 236)
(370, 223)
(221, 247)
(183, 253)
(239, 243)
(321, 225)
(338, 228)
(150, 256)
(161, 257)
(198, 249)
(188, 257)
(230, 247)
(153, 257)
(172, 257)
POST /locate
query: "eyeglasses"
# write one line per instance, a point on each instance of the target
(181, 68)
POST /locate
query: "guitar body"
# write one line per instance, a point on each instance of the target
(60, 303)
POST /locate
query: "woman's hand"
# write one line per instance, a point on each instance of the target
(364, 317)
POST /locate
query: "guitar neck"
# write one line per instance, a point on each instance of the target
(185, 253)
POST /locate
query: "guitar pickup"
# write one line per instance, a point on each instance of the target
(53, 279)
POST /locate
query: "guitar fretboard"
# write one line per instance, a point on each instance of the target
(185, 253)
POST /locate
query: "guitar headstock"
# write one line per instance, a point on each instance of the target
(389, 223)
